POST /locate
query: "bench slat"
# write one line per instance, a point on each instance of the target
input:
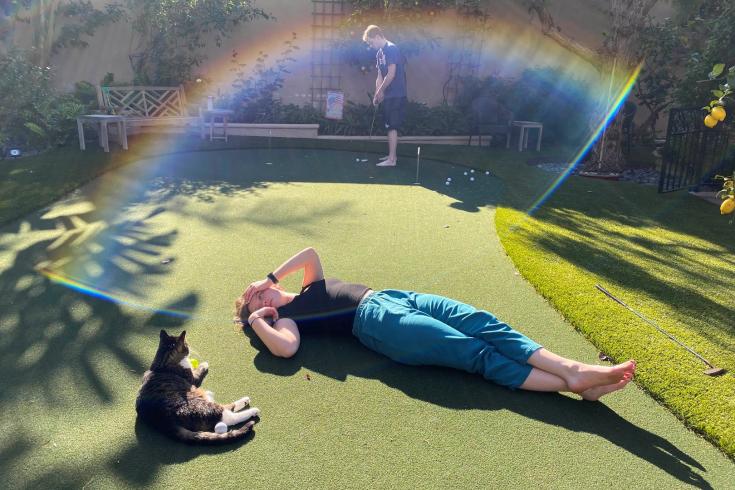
(143, 101)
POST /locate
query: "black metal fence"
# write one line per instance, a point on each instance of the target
(692, 150)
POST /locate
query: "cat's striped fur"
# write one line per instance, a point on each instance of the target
(172, 400)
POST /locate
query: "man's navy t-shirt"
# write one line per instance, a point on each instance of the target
(391, 55)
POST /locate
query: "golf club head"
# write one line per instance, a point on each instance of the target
(715, 371)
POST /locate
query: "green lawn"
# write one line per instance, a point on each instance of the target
(671, 257)
(72, 362)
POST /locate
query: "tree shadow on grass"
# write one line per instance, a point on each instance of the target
(670, 273)
(53, 332)
(341, 356)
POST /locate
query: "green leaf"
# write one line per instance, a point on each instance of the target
(717, 70)
(718, 93)
(36, 129)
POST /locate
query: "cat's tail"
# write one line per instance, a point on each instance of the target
(193, 437)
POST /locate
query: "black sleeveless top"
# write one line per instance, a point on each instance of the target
(327, 305)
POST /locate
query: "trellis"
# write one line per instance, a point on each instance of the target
(327, 16)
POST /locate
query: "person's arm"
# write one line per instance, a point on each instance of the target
(282, 339)
(307, 259)
(386, 82)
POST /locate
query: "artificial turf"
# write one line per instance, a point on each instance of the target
(669, 257)
(72, 362)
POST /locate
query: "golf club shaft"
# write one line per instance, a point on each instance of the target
(375, 111)
(652, 323)
(418, 158)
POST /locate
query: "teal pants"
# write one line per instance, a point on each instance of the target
(425, 329)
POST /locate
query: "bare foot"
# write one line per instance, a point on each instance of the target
(594, 394)
(589, 376)
(384, 158)
(386, 163)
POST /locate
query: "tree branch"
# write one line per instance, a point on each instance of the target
(648, 6)
(551, 30)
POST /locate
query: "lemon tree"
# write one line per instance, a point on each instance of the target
(727, 194)
(716, 108)
(717, 113)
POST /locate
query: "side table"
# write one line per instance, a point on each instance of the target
(103, 120)
(211, 115)
(523, 136)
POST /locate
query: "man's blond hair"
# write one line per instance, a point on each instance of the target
(371, 32)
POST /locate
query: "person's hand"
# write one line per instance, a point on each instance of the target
(378, 98)
(266, 311)
(256, 287)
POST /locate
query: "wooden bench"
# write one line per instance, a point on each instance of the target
(145, 105)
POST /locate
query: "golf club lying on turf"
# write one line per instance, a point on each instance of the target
(712, 371)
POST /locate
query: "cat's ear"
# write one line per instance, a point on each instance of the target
(181, 337)
(163, 335)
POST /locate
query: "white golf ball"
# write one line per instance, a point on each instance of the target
(220, 428)
(449, 179)
(357, 159)
(447, 183)
(472, 178)
(472, 171)
(465, 173)
(487, 172)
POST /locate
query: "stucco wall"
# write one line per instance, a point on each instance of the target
(511, 43)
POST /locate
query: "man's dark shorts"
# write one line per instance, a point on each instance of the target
(394, 111)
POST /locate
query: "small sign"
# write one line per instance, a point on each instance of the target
(335, 104)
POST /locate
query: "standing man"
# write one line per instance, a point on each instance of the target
(390, 87)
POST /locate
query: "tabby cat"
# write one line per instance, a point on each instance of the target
(172, 401)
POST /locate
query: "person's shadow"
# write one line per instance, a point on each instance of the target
(343, 355)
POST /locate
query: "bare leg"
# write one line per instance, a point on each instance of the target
(540, 380)
(578, 376)
(392, 146)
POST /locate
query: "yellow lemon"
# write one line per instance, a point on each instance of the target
(727, 206)
(719, 113)
(710, 121)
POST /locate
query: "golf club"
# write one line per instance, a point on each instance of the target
(418, 158)
(712, 371)
(372, 123)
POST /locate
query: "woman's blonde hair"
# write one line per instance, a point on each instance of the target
(241, 307)
(371, 32)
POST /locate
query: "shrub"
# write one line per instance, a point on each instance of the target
(545, 95)
(33, 114)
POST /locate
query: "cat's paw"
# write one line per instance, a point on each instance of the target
(204, 366)
(210, 395)
(242, 403)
